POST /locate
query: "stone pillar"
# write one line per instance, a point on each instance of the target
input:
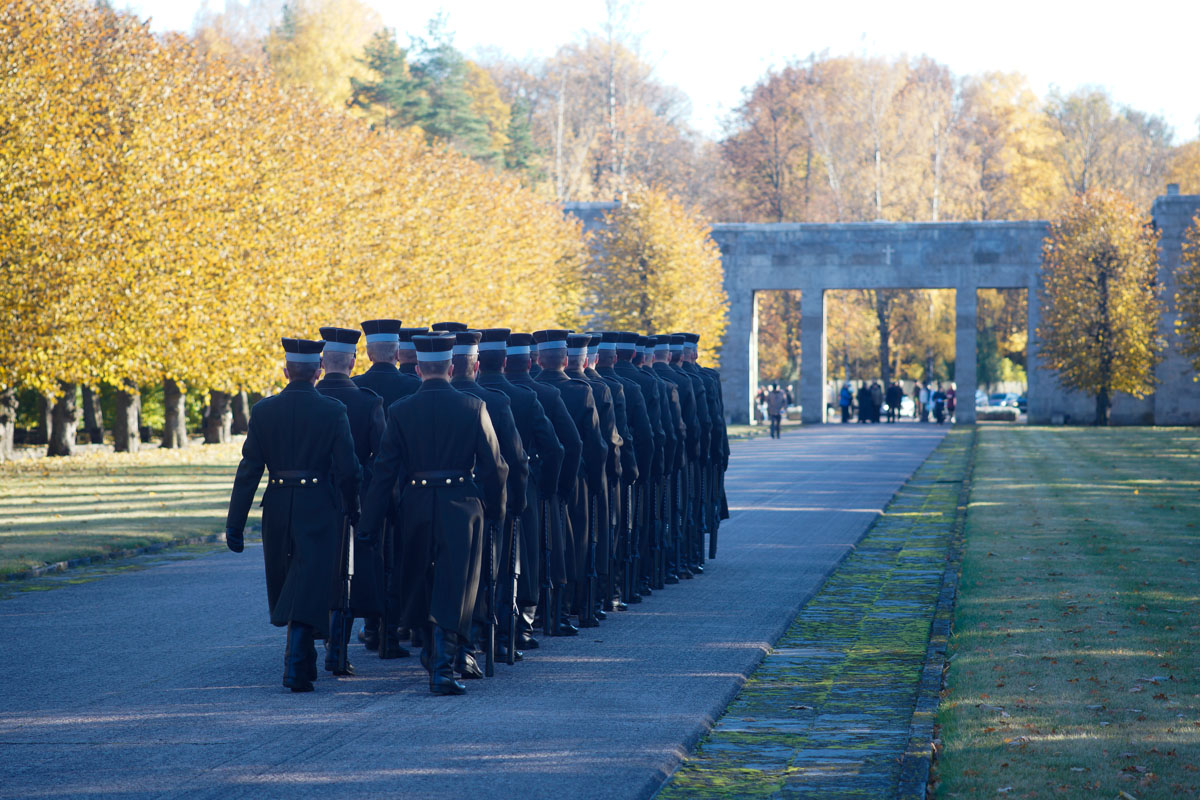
(965, 312)
(739, 356)
(1039, 383)
(812, 355)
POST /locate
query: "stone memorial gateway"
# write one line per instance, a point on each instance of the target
(962, 256)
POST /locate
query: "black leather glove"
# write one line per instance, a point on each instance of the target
(234, 540)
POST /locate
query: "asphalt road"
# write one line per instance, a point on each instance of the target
(166, 682)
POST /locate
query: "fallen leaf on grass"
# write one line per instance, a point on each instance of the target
(1004, 790)
(1079, 769)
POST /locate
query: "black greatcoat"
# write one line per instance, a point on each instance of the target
(438, 429)
(298, 430)
(545, 459)
(568, 436)
(365, 411)
(388, 382)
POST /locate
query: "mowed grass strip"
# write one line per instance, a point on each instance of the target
(1074, 669)
(57, 509)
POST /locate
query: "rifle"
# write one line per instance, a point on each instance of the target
(714, 513)
(514, 569)
(389, 565)
(589, 593)
(610, 577)
(679, 520)
(489, 600)
(346, 554)
(627, 586)
(661, 532)
(547, 584)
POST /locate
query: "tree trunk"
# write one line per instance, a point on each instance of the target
(241, 414)
(41, 434)
(218, 422)
(8, 422)
(126, 435)
(64, 419)
(93, 415)
(174, 415)
(1102, 407)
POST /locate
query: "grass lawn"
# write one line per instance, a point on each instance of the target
(53, 509)
(1075, 671)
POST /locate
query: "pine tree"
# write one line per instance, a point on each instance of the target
(391, 96)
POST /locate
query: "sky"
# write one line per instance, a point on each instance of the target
(1143, 55)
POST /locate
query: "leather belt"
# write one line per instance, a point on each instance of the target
(439, 478)
(295, 478)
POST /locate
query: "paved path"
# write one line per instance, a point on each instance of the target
(165, 682)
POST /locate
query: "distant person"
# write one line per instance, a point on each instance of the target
(924, 402)
(893, 397)
(776, 405)
(845, 400)
(951, 400)
(760, 403)
(876, 401)
(916, 395)
(939, 404)
(864, 403)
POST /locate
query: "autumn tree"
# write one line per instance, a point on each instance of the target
(658, 270)
(779, 334)
(1100, 305)
(1187, 295)
(317, 44)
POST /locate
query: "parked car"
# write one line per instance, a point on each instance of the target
(1007, 399)
(1023, 403)
(907, 408)
(981, 398)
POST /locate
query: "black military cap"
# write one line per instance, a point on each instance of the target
(594, 339)
(452, 327)
(608, 340)
(676, 341)
(381, 330)
(494, 339)
(660, 342)
(302, 350)
(340, 340)
(552, 337)
(626, 340)
(691, 338)
(466, 343)
(577, 343)
(435, 347)
(644, 342)
(518, 343)
(406, 336)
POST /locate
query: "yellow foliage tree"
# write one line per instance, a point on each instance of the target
(1100, 304)
(318, 44)
(658, 271)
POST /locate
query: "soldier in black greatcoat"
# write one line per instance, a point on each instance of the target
(649, 476)
(303, 439)
(549, 522)
(406, 354)
(681, 404)
(365, 410)
(635, 458)
(441, 448)
(390, 383)
(578, 397)
(694, 533)
(499, 407)
(545, 454)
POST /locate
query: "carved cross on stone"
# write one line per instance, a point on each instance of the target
(887, 255)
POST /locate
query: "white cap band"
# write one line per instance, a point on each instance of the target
(576, 351)
(441, 355)
(372, 338)
(664, 347)
(493, 345)
(407, 346)
(303, 358)
(675, 348)
(518, 349)
(608, 345)
(339, 347)
(466, 349)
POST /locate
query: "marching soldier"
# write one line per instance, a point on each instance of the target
(694, 540)
(550, 518)
(406, 355)
(718, 457)
(390, 383)
(685, 427)
(303, 440)
(545, 454)
(499, 407)
(580, 403)
(364, 408)
(641, 448)
(441, 448)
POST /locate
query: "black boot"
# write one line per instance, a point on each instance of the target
(369, 635)
(525, 625)
(502, 652)
(295, 671)
(465, 664)
(426, 640)
(390, 647)
(339, 638)
(441, 674)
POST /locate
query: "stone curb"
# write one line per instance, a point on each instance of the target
(919, 754)
(114, 555)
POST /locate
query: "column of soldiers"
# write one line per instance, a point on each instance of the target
(475, 487)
